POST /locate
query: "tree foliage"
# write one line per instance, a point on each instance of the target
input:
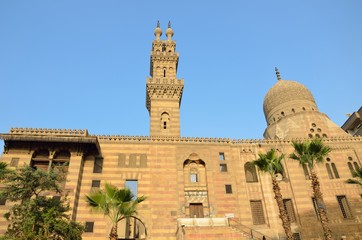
(357, 177)
(310, 153)
(34, 215)
(271, 163)
(115, 203)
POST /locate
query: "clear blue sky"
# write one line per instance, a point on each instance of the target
(82, 64)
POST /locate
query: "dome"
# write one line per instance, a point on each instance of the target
(287, 97)
(158, 31)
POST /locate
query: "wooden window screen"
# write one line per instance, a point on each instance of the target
(257, 212)
(288, 205)
(343, 205)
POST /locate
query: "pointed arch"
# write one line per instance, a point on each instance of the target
(250, 172)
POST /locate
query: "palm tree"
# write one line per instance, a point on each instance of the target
(357, 174)
(310, 153)
(115, 203)
(272, 163)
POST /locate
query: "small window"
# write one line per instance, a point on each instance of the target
(288, 206)
(2, 201)
(133, 186)
(88, 226)
(96, 183)
(14, 162)
(165, 125)
(257, 212)
(193, 178)
(98, 165)
(344, 206)
(223, 167)
(228, 188)
(221, 156)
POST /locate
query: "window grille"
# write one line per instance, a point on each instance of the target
(343, 205)
(257, 212)
(288, 206)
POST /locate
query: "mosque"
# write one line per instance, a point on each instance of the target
(201, 188)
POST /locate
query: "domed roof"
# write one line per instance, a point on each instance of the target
(286, 91)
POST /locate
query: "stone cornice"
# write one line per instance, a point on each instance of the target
(50, 136)
(200, 140)
(82, 136)
(49, 132)
(163, 89)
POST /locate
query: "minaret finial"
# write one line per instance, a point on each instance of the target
(169, 31)
(158, 31)
(277, 73)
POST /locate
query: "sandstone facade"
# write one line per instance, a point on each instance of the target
(198, 182)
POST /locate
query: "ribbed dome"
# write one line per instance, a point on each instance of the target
(286, 93)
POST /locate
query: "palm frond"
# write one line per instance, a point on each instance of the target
(270, 162)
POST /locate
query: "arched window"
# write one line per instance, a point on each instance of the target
(194, 172)
(250, 172)
(355, 165)
(351, 168)
(165, 119)
(329, 170)
(336, 175)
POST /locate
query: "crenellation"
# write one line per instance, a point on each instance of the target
(49, 131)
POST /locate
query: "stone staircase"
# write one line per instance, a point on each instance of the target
(215, 229)
(213, 233)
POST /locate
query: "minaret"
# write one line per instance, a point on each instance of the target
(163, 89)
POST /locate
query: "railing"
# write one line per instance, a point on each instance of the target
(248, 231)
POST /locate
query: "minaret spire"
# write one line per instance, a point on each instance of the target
(277, 73)
(158, 31)
(169, 31)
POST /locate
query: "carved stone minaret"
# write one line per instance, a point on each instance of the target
(163, 89)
